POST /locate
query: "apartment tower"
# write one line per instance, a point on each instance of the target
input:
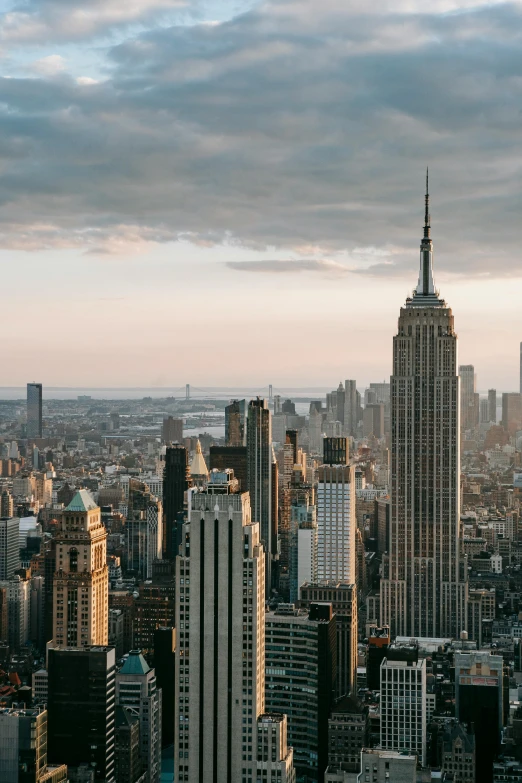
(424, 589)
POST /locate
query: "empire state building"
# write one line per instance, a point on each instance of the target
(424, 585)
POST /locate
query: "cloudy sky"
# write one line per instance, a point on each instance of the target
(230, 192)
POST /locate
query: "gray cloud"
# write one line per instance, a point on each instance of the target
(300, 126)
(291, 266)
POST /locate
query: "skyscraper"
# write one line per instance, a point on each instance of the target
(175, 483)
(136, 691)
(424, 587)
(403, 728)
(336, 523)
(220, 617)
(164, 665)
(34, 410)
(301, 670)
(259, 472)
(469, 413)
(492, 405)
(479, 700)
(512, 412)
(350, 407)
(81, 578)
(9, 546)
(81, 708)
(172, 430)
(144, 529)
(235, 423)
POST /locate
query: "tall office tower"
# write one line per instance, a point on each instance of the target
(176, 479)
(220, 680)
(492, 403)
(136, 691)
(403, 682)
(484, 411)
(292, 439)
(81, 707)
(479, 700)
(481, 612)
(350, 407)
(512, 412)
(336, 451)
(155, 606)
(81, 579)
(302, 563)
(468, 397)
(9, 546)
(144, 529)
(288, 407)
(378, 644)
(336, 523)
(423, 590)
(382, 512)
(172, 430)
(18, 611)
(234, 457)
(34, 410)
(128, 767)
(315, 428)
(6, 504)
(373, 420)
(341, 400)
(164, 665)
(235, 423)
(343, 598)
(275, 760)
(301, 670)
(259, 467)
(23, 748)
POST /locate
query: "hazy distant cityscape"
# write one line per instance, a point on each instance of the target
(260, 414)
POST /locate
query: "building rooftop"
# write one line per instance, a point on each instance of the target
(135, 664)
(82, 501)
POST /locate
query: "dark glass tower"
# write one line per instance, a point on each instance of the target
(176, 478)
(164, 664)
(81, 708)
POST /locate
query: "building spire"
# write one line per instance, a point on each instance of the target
(427, 216)
(425, 293)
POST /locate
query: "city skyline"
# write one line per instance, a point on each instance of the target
(130, 190)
